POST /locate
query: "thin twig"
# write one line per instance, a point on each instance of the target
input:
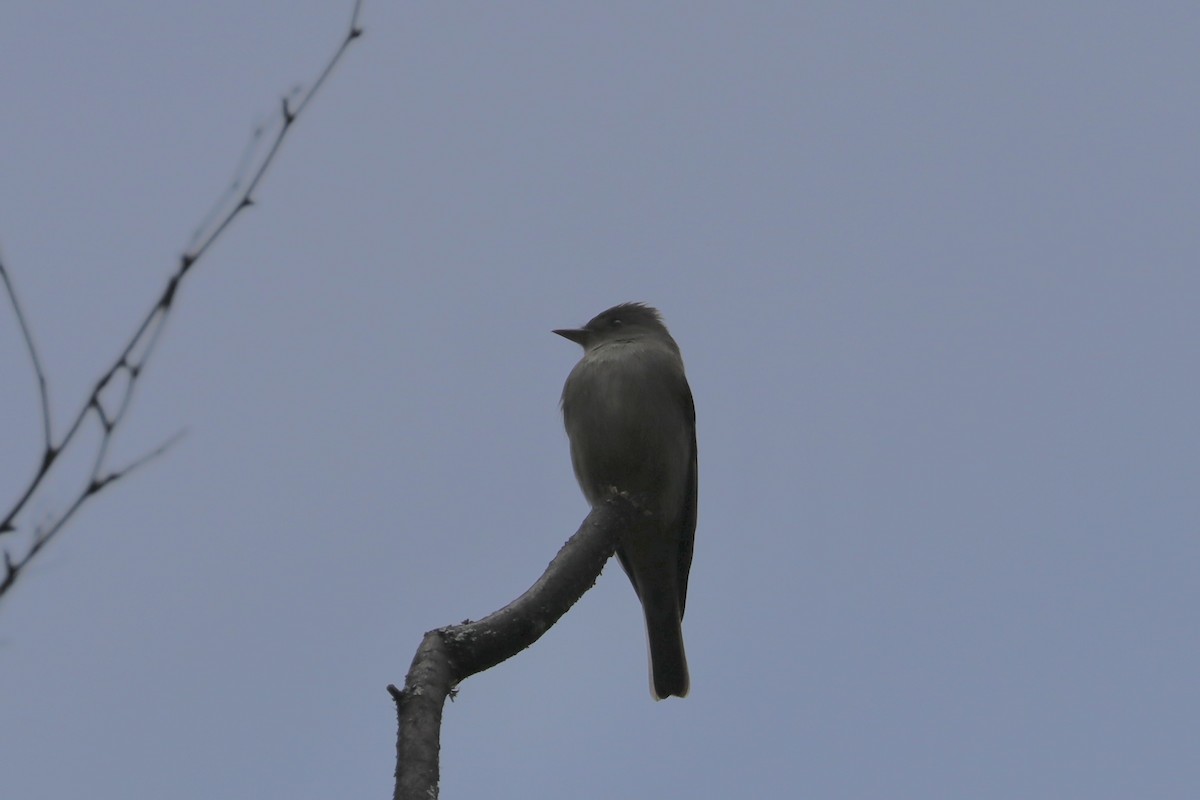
(98, 481)
(43, 391)
(289, 117)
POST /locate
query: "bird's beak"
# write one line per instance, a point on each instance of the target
(577, 335)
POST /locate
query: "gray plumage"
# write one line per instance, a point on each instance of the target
(629, 415)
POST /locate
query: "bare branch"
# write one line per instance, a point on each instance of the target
(447, 656)
(110, 397)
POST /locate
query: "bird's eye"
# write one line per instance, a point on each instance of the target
(616, 323)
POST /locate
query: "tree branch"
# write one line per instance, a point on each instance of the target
(447, 656)
(121, 377)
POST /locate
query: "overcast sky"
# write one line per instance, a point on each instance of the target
(934, 271)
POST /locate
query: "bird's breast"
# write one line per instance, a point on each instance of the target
(627, 429)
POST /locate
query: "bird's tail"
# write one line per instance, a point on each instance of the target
(664, 633)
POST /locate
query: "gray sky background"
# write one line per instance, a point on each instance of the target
(933, 267)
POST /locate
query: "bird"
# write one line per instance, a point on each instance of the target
(631, 421)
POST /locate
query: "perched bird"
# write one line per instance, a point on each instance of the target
(629, 415)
